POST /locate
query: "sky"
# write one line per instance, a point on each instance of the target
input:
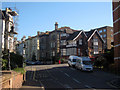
(41, 16)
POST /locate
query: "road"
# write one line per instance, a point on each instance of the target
(63, 76)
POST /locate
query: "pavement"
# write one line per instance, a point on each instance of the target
(61, 76)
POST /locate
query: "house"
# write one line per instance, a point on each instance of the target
(95, 43)
(29, 47)
(76, 44)
(8, 29)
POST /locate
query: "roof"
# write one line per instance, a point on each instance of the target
(91, 33)
(102, 27)
(74, 35)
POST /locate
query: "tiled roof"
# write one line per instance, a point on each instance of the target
(89, 33)
(72, 36)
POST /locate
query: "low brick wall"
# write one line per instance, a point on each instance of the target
(12, 80)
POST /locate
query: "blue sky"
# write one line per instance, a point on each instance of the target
(41, 16)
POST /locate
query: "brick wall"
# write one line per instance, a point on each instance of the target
(15, 80)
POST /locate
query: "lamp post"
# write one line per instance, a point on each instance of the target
(24, 52)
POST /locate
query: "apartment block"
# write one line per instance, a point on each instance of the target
(106, 33)
(116, 27)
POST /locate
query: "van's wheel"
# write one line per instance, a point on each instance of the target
(81, 69)
(69, 65)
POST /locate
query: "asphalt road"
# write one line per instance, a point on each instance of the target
(62, 76)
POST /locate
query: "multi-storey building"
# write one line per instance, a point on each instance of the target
(7, 29)
(44, 46)
(76, 44)
(29, 47)
(106, 33)
(54, 42)
(95, 43)
(65, 32)
(63, 42)
(116, 27)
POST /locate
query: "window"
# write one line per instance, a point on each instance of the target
(96, 52)
(53, 53)
(111, 30)
(104, 35)
(71, 51)
(63, 34)
(52, 44)
(78, 51)
(80, 41)
(104, 30)
(101, 35)
(100, 31)
(63, 52)
(63, 42)
(95, 41)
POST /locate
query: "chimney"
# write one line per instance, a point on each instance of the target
(56, 25)
(38, 33)
(29, 37)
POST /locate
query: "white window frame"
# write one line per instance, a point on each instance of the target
(80, 41)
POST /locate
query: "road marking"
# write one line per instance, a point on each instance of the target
(87, 86)
(67, 75)
(67, 86)
(54, 78)
(76, 80)
(111, 85)
(72, 68)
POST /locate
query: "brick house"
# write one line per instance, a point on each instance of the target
(76, 44)
(95, 43)
(116, 27)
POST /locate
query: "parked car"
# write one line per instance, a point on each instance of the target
(72, 60)
(84, 64)
(38, 63)
(30, 63)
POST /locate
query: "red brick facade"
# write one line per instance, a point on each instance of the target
(116, 26)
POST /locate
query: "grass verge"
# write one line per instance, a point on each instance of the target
(20, 70)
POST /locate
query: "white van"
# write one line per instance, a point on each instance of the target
(72, 60)
(84, 63)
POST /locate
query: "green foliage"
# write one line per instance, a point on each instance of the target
(105, 59)
(100, 61)
(21, 70)
(4, 64)
(16, 60)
